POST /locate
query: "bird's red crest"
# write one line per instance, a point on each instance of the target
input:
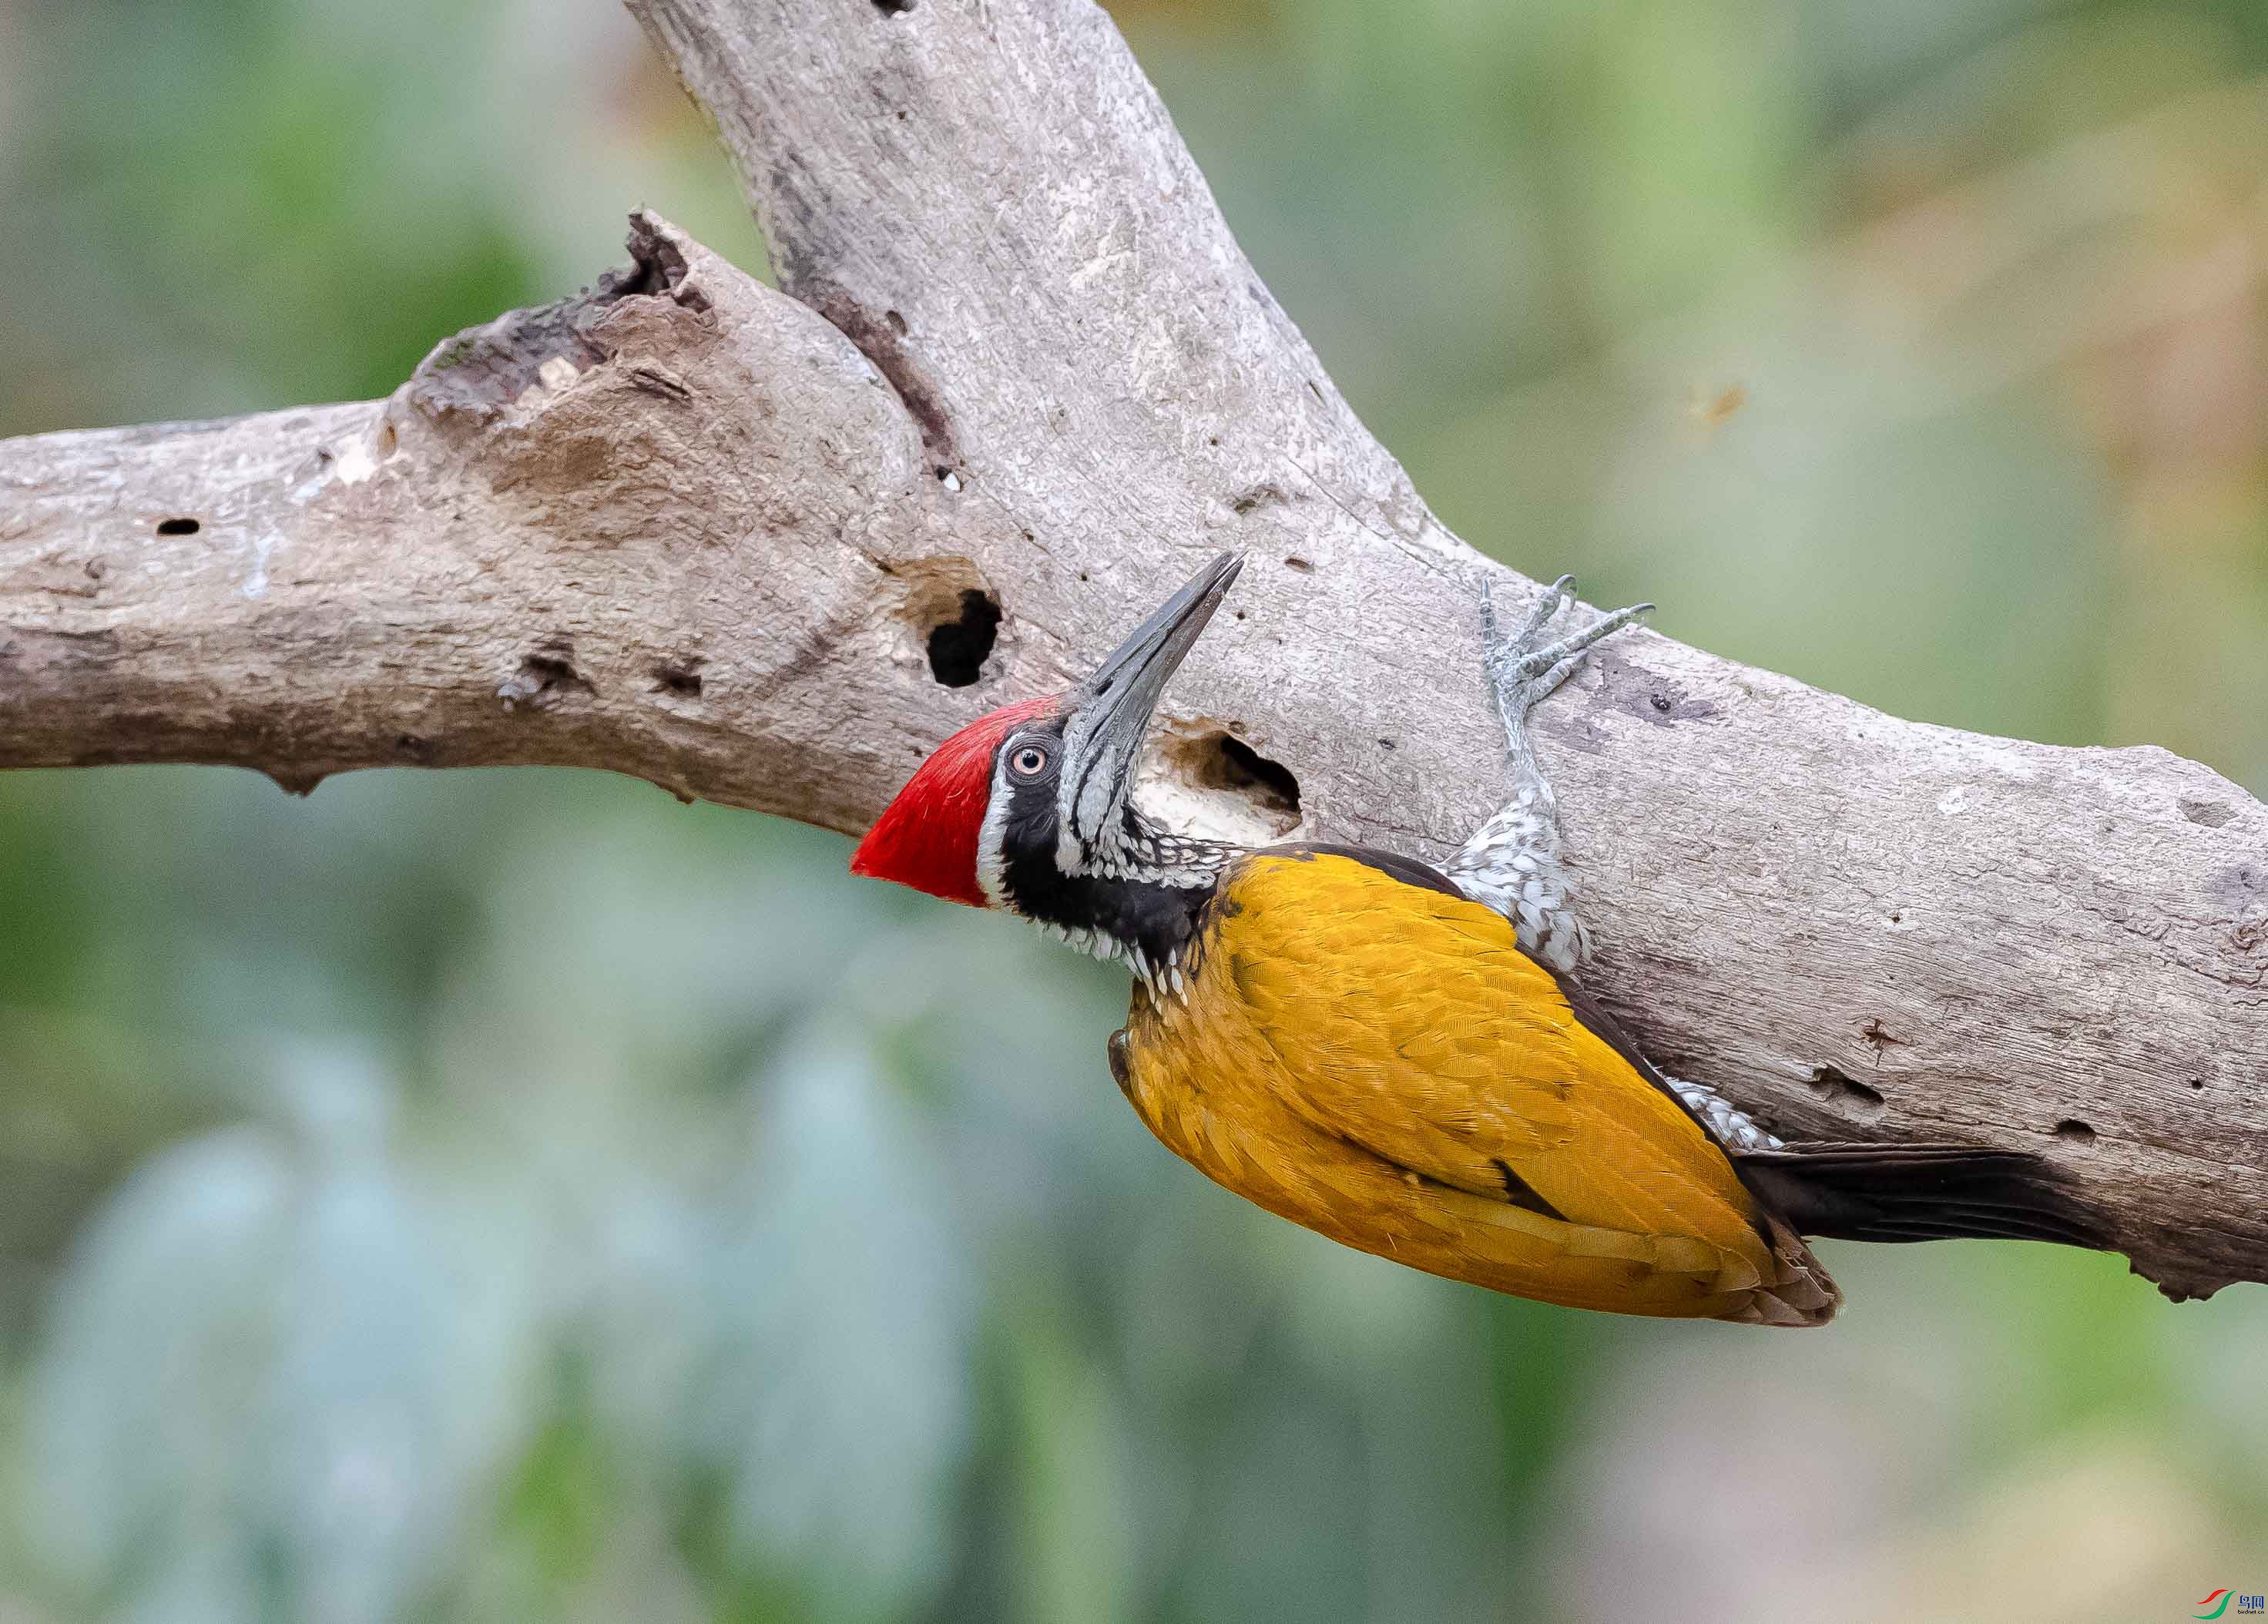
(927, 838)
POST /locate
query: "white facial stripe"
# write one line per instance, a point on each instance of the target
(992, 836)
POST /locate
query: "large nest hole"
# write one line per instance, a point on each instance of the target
(1201, 780)
(1235, 765)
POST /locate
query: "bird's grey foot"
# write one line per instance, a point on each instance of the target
(1528, 666)
(1512, 862)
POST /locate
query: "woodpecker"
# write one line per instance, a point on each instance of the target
(1403, 1057)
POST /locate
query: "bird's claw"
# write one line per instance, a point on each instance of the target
(1526, 668)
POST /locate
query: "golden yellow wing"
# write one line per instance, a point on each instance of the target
(1409, 1022)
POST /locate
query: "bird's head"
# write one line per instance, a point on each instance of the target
(1026, 808)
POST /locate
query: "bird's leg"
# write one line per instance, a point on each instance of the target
(1512, 862)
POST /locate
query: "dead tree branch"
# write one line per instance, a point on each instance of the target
(690, 528)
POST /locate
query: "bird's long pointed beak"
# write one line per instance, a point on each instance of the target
(1109, 713)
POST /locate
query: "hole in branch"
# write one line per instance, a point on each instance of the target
(682, 678)
(546, 678)
(2075, 1131)
(1838, 1087)
(1268, 782)
(958, 648)
(1201, 781)
(178, 527)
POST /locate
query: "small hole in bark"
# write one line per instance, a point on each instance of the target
(1662, 702)
(2074, 1130)
(1838, 1087)
(546, 678)
(2196, 1082)
(683, 680)
(1301, 564)
(1386, 744)
(178, 527)
(893, 8)
(897, 323)
(959, 648)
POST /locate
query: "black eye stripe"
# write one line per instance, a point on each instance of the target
(1078, 795)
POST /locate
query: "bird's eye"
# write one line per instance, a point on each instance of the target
(1028, 762)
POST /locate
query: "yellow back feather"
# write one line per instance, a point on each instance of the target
(1381, 1062)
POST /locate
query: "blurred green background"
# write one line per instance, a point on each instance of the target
(513, 1196)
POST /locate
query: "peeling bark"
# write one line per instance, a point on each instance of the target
(688, 528)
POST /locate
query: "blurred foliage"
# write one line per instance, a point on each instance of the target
(502, 1196)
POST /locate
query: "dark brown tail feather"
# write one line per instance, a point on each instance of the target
(1919, 1192)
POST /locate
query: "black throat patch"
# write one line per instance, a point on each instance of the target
(1158, 920)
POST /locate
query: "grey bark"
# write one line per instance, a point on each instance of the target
(688, 528)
